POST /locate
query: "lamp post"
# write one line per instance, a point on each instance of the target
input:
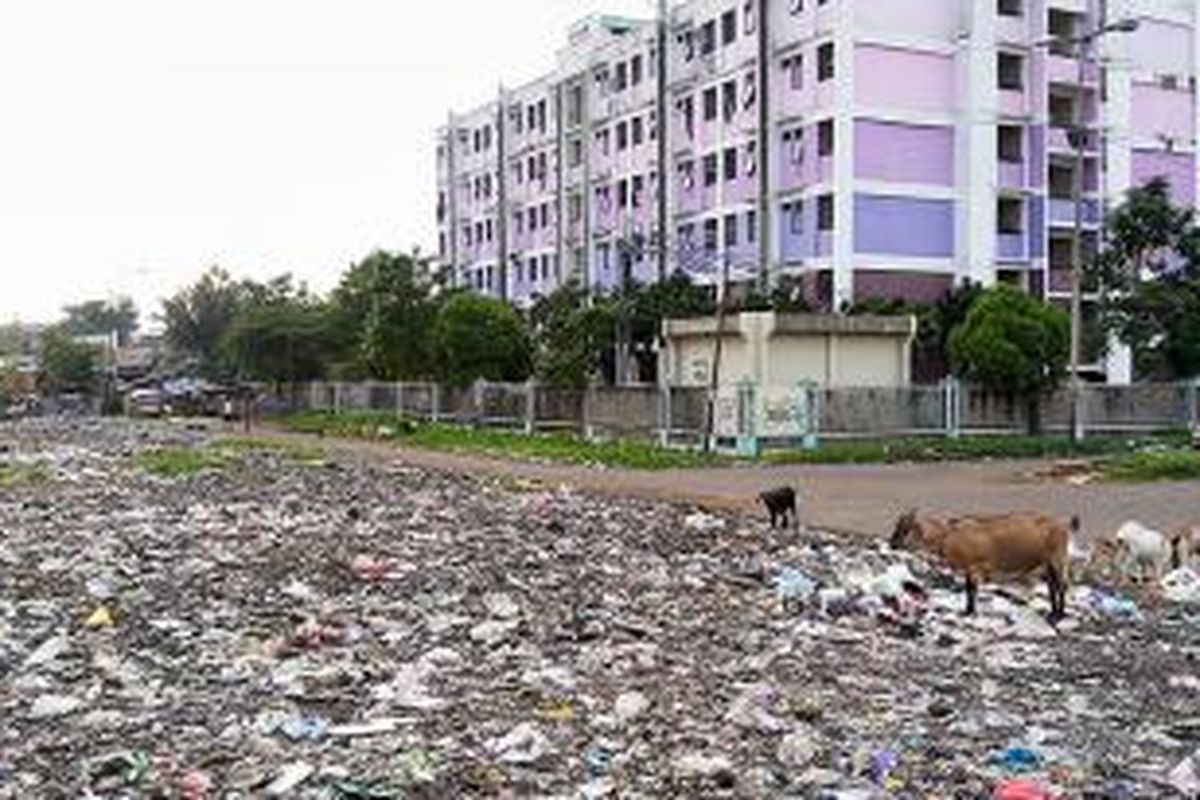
(1082, 47)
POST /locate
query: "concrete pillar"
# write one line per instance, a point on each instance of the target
(976, 145)
(843, 161)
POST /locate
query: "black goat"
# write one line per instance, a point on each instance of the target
(781, 505)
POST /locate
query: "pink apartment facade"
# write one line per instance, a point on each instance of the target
(908, 145)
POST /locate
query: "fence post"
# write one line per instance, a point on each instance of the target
(477, 401)
(433, 402)
(530, 407)
(952, 399)
(1193, 396)
(337, 397)
(747, 440)
(589, 400)
(399, 400)
(664, 417)
(810, 411)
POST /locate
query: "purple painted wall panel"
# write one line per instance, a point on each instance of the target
(918, 287)
(886, 151)
(1036, 212)
(1037, 155)
(897, 77)
(903, 226)
(1178, 168)
(1011, 246)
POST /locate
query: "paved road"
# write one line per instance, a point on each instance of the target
(855, 499)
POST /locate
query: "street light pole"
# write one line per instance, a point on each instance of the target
(1077, 245)
(1082, 50)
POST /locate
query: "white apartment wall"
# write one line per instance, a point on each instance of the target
(976, 144)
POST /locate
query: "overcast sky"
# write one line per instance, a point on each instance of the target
(142, 140)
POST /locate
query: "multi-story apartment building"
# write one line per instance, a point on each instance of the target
(909, 144)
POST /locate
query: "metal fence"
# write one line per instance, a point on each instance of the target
(766, 416)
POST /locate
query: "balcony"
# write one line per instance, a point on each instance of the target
(1011, 174)
(1013, 103)
(1058, 138)
(1062, 211)
(1065, 70)
(1011, 246)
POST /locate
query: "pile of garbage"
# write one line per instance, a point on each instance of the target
(284, 627)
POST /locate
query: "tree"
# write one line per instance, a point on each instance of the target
(381, 316)
(277, 335)
(1150, 274)
(481, 337)
(102, 318)
(66, 365)
(196, 319)
(574, 337)
(1011, 342)
(675, 298)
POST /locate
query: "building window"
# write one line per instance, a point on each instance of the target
(730, 160)
(729, 27)
(533, 219)
(638, 186)
(1009, 144)
(825, 212)
(748, 17)
(687, 111)
(708, 38)
(635, 71)
(729, 100)
(1010, 72)
(622, 194)
(545, 215)
(710, 104)
(749, 90)
(751, 159)
(575, 152)
(574, 106)
(751, 226)
(622, 136)
(687, 175)
(795, 215)
(793, 145)
(687, 43)
(635, 131)
(825, 63)
(795, 7)
(575, 208)
(518, 221)
(1008, 215)
(710, 235)
(710, 169)
(731, 230)
(1008, 8)
(621, 77)
(825, 138)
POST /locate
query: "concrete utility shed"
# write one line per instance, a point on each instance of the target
(773, 349)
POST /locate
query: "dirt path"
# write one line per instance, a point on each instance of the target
(852, 498)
